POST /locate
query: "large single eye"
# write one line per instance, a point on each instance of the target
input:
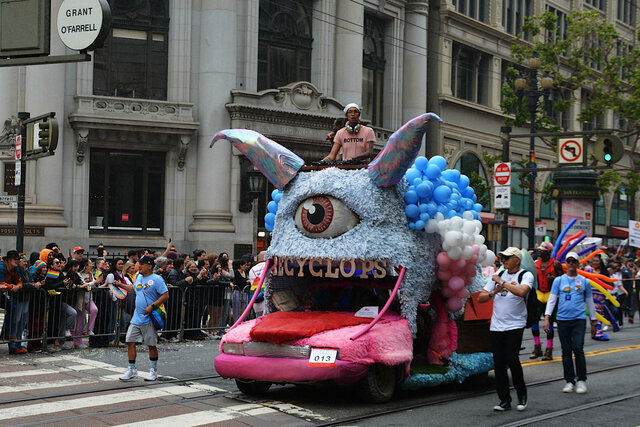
(324, 217)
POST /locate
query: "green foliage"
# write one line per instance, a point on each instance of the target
(480, 185)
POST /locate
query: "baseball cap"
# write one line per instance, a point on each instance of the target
(512, 251)
(545, 246)
(572, 255)
(147, 260)
(78, 249)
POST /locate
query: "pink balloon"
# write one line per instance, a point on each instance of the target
(463, 293)
(470, 270)
(461, 263)
(444, 275)
(476, 248)
(454, 304)
(474, 260)
(443, 260)
(447, 292)
(456, 283)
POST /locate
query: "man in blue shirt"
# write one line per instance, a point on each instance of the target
(572, 292)
(151, 292)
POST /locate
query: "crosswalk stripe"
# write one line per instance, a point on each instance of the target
(32, 372)
(43, 385)
(205, 417)
(92, 402)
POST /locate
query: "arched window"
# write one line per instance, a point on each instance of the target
(601, 216)
(373, 63)
(620, 211)
(548, 210)
(284, 42)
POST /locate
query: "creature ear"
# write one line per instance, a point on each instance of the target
(277, 163)
(400, 151)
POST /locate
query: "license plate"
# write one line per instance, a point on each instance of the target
(323, 357)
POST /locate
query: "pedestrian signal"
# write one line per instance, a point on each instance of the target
(608, 149)
(42, 136)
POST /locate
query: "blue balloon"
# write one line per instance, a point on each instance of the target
(477, 207)
(448, 175)
(411, 197)
(272, 207)
(432, 171)
(412, 211)
(411, 188)
(269, 227)
(464, 182)
(412, 225)
(442, 193)
(278, 197)
(467, 192)
(475, 215)
(425, 217)
(421, 163)
(274, 192)
(443, 210)
(438, 161)
(432, 208)
(423, 190)
(412, 174)
(467, 203)
(419, 224)
(474, 198)
(270, 218)
(452, 213)
(417, 181)
(423, 208)
(455, 195)
(456, 175)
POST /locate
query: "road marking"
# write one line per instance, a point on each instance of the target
(206, 417)
(587, 354)
(40, 386)
(32, 372)
(93, 401)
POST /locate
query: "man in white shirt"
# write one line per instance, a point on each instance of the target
(508, 289)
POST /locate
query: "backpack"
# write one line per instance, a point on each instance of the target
(530, 300)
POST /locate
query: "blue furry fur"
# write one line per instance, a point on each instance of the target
(462, 366)
(382, 233)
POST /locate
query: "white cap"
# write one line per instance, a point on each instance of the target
(572, 255)
(351, 105)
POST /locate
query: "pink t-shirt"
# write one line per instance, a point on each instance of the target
(354, 144)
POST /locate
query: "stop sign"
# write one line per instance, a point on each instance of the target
(502, 173)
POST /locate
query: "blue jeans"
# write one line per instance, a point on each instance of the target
(571, 333)
(18, 317)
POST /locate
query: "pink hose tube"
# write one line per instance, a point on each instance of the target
(255, 295)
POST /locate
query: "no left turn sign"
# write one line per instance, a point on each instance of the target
(570, 151)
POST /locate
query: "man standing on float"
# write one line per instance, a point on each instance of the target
(355, 139)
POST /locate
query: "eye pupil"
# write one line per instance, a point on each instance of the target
(317, 216)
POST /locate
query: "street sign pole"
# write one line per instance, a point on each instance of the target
(22, 116)
(505, 132)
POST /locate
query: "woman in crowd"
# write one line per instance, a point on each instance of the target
(115, 277)
(240, 282)
(37, 305)
(75, 299)
(85, 300)
(195, 277)
(61, 316)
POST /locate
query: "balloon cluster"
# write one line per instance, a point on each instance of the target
(272, 207)
(455, 275)
(434, 189)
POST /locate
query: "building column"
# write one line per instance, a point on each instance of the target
(414, 61)
(347, 83)
(179, 72)
(324, 29)
(216, 74)
(9, 92)
(45, 92)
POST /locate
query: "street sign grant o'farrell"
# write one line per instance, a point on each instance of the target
(634, 234)
(84, 24)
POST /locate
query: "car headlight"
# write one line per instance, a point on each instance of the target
(233, 348)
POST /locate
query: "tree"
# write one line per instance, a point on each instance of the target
(592, 59)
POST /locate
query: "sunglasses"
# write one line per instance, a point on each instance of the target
(505, 258)
(572, 261)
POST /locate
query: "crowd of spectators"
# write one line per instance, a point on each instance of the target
(78, 300)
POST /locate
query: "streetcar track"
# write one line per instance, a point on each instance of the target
(470, 395)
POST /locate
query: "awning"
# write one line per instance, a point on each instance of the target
(619, 232)
(485, 217)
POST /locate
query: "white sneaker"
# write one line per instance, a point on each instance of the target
(581, 387)
(90, 333)
(80, 346)
(130, 374)
(568, 388)
(67, 333)
(153, 375)
(68, 345)
(605, 327)
(52, 348)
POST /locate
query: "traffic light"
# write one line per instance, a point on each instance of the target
(608, 149)
(42, 136)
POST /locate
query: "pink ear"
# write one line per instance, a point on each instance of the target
(400, 151)
(275, 162)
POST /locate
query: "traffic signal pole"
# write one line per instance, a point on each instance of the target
(22, 116)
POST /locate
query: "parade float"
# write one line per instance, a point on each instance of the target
(369, 276)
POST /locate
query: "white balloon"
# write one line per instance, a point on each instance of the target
(478, 239)
(432, 226)
(453, 238)
(481, 253)
(456, 223)
(445, 246)
(455, 253)
(489, 258)
(469, 227)
(467, 215)
(439, 216)
(467, 252)
(478, 225)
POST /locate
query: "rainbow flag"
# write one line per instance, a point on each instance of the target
(533, 165)
(53, 274)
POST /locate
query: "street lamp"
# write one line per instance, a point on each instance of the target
(533, 94)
